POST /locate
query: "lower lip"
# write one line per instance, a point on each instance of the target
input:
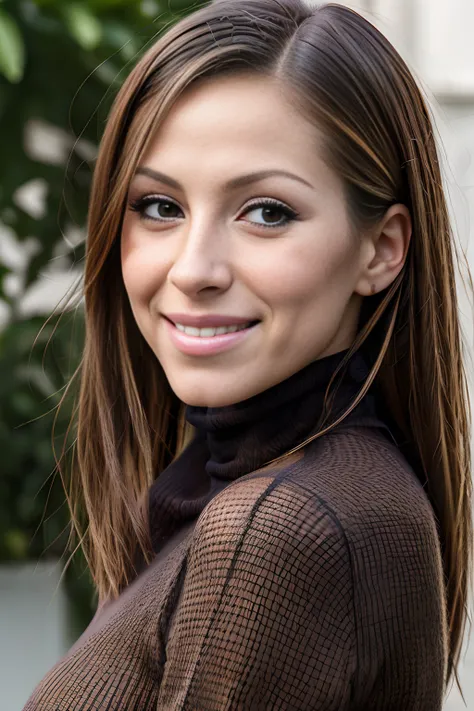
(206, 345)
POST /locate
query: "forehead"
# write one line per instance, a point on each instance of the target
(226, 122)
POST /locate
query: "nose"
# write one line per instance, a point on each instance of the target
(202, 262)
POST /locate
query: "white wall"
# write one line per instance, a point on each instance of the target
(33, 624)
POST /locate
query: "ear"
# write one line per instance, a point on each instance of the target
(385, 250)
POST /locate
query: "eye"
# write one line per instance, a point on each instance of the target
(270, 209)
(161, 209)
(155, 208)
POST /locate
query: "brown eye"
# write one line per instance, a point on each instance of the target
(271, 211)
(155, 208)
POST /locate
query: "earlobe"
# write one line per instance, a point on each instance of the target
(366, 288)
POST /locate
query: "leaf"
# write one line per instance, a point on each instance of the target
(16, 543)
(12, 49)
(120, 36)
(83, 25)
(107, 4)
(4, 271)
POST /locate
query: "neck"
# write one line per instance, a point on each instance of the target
(236, 439)
(244, 435)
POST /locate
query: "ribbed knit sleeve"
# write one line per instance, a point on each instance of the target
(280, 610)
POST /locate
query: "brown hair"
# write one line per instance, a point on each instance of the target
(347, 78)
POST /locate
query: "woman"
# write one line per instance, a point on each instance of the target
(279, 513)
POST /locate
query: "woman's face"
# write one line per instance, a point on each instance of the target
(197, 240)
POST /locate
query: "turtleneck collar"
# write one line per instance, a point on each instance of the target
(243, 436)
(237, 439)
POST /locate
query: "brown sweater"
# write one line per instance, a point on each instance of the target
(312, 585)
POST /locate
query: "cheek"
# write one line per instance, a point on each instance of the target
(141, 276)
(308, 274)
(141, 270)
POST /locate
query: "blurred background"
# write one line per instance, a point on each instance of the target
(61, 62)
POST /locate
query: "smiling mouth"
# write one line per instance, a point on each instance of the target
(208, 341)
(212, 331)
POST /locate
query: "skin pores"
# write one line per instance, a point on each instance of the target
(202, 248)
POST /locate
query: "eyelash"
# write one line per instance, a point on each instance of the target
(142, 203)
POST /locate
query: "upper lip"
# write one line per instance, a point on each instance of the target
(211, 320)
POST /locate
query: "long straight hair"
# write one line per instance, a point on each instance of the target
(349, 81)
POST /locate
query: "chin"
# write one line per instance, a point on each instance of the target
(209, 400)
(207, 394)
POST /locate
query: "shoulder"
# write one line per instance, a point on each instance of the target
(276, 503)
(353, 493)
(351, 474)
(275, 530)
(388, 524)
(366, 480)
(267, 515)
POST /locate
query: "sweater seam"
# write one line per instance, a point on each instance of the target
(229, 575)
(345, 538)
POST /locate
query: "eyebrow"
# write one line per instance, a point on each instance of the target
(233, 184)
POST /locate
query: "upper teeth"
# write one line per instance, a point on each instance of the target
(203, 332)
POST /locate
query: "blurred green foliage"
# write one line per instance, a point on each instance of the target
(61, 62)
